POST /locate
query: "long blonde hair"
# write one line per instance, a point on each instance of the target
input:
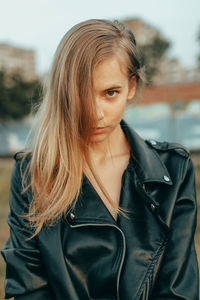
(67, 115)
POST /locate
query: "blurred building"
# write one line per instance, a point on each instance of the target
(14, 59)
(145, 35)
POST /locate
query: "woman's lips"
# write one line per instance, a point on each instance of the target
(99, 130)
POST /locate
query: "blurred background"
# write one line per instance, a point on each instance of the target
(168, 35)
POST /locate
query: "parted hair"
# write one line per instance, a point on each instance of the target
(67, 115)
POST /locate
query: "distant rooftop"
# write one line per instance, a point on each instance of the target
(15, 59)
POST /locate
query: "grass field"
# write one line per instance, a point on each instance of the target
(5, 172)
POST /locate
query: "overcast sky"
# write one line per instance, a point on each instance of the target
(40, 24)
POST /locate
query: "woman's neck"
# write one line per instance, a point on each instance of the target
(114, 146)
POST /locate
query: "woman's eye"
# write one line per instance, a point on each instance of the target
(111, 94)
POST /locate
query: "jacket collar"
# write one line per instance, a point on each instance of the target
(148, 164)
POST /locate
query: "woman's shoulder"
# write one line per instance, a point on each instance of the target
(169, 147)
(22, 155)
(22, 159)
(20, 193)
(20, 168)
(175, 157)
(156, 155)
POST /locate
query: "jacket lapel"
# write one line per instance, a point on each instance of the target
(89, 207)
(149, 166)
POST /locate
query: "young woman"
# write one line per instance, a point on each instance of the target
(96, 212)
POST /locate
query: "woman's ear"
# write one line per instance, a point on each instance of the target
(132, 87)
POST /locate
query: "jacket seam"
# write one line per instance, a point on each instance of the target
(183, 167)
(117, 260)
(151, 266)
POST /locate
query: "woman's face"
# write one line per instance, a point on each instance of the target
(112, 89)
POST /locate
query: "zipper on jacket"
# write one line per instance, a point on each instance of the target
(123, 247)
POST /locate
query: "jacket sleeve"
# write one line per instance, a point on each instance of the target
(25, 275)
(177, 277)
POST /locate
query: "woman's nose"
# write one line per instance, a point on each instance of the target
(100, 112)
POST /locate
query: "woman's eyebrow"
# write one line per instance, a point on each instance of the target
(113, 87)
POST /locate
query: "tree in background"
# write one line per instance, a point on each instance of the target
(17, 95)
(153, 46)
(151, 56)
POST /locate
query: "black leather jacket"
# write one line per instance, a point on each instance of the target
(84, 255)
